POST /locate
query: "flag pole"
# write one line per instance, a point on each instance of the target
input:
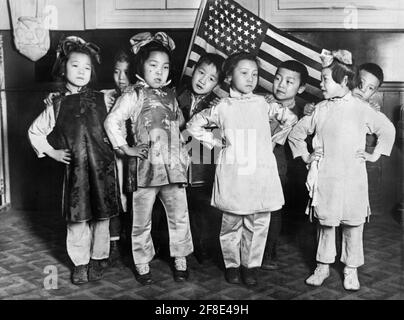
(196, 28)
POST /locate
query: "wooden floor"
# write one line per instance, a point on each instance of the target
(32, 248)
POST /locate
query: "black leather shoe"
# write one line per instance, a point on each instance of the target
(201, 256)
(269, 263)
(95, 270)
(79, 275)
(144, 279)
(181, 275)
(249, 276)
(232, 275)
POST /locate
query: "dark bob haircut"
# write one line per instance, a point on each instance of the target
(144, 54)
(59, 67)
(212, 58)
(296, 66)
(374, 69)
(232, 61)
(124, 56)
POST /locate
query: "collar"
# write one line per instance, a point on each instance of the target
(288, 104)
(65, 90)
(198, 97)
(236, 94)
(346, 97)
(143, 82)
(285, 104)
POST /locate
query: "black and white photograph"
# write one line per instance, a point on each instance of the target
(201, 157)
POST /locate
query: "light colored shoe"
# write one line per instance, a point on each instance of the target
(321, 273)
(180, 263)
(142, 268)
(351, 281)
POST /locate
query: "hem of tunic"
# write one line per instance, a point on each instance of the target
(162, 184)
(91, 219)
(337, 223)
(244, 213)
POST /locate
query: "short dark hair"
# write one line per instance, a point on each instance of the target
(121, 56)
(339, 70)
(374, 69)
(232, 61)
(298, 67)
(144, 54)
(212, 58)
(124, 56)
(59, 67)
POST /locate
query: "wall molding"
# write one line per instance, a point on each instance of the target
(392, 86)
(331, 18)
(108, 16)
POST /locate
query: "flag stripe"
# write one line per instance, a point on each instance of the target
(282, 55)
(266, 75)
(306, 51)
(311, 93)
(276, 62)
(266, 66)
(265, 84)
(199, 48)
(207, 47)
(292, 53)
(226, 27)
(286, 36)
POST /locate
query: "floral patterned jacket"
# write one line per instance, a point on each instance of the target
(156, 120)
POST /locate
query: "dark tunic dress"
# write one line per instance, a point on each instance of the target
(91, 190)
(202, 169)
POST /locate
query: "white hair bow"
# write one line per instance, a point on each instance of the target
(327, 57)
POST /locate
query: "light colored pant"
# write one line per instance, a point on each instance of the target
(352, 245)
(174, 200)
(120, 168)
(243, 239)
(87, 239)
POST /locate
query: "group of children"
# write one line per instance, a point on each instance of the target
(87, 131)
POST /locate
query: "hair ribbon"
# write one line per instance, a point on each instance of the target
(141, 39)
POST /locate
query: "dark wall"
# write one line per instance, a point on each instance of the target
(36, 183)
(379, 47)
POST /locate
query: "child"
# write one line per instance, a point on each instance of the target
(205, 77)
(370, 78)
(193, 99)
(163, 159)
(337, 179)
(290, 80)
(122, 76)
(71, 132)
(246, 190)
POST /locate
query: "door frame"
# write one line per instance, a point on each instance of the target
(5, 201)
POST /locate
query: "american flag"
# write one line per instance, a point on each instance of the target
(225, 27)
